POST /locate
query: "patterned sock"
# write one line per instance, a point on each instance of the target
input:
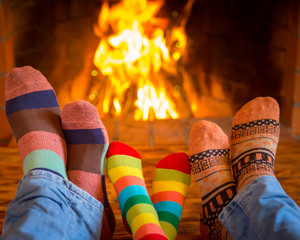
(170, 186)
(87, 143)
(254, 139)
(210, 163)
(34, 117)
(125, 172)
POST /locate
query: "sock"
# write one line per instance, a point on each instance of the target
(87, 143)
(210, 163)
(33, 113)
(170, 186)
(125, 172)
(254, 139)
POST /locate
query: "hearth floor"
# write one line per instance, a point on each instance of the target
(155, 140)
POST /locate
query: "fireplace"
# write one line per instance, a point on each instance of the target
(234, 51)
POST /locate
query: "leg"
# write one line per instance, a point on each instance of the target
(46, 205)
(261, 210)
(87, 143)
(169, 188)
(210, 163)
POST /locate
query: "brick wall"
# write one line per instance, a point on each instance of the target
(6, 63)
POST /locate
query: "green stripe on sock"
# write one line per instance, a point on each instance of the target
(44, 159)
(162, 174)
(137, 199)
(169, 217)
(102, 161)
(123, 161)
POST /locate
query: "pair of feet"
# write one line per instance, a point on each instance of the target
(73, 143)
(223, 167)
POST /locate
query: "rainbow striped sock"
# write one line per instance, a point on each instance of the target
(34, 117)
(170, 185)
(125, 172)
(87, 142)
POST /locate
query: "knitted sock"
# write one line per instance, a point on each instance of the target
(87, 143)
(170, 186)
(254, 139)
(210, 163)
(125, 172)
(34, 117)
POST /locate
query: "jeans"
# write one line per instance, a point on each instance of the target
(262, 210)
(46, 206)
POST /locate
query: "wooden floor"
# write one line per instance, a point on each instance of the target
(155, 140)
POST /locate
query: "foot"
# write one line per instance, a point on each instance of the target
(169, 188)
(210, 163)
(33, 113)
(87, 143)
(254, 139)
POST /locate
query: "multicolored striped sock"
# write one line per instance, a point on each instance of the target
(87, 143)
(34, 117)
(210, 163)
(170, 185)
(125, 172)
(254, 139)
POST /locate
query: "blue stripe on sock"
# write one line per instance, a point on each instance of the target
(130, 191)
(40, 99)
(168, 206)
(84, 136)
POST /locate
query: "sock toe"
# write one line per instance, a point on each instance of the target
(207, 135)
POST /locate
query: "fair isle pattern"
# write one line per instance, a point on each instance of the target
(34, 117)
(124, 169)
(210, 158)
(253, 149)
(206, 166)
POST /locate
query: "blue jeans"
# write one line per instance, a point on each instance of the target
(47, 206)
(262, 210)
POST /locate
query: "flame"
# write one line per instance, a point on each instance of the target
(132, 53)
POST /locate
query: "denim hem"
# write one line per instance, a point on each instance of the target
(61, 181)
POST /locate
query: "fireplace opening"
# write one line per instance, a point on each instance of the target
(205, 58)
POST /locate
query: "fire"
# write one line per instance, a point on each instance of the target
(132, 54)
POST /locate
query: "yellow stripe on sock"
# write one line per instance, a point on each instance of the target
(139, 208)
(123, 161)
(118, 172)
(169, 230)
(161, 186)
(142, 219)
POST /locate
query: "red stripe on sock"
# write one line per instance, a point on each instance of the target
(176, 161)
(154, 237)
(149, 230)
(168, 196)
(118, 148)
(126, 181)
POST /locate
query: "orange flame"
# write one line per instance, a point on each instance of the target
(131, 53)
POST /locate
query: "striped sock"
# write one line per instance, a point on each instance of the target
(170, 185)
(210, 163)
(254, 139)
(87, 143)
(34, 117)
(125, 172)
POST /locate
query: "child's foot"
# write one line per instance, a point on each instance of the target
(169, 188)
(125, 172)
(34, 117)
(210, 163)
(87, 143)
(254, 139)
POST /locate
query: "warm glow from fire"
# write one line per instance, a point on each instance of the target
(132, 53)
